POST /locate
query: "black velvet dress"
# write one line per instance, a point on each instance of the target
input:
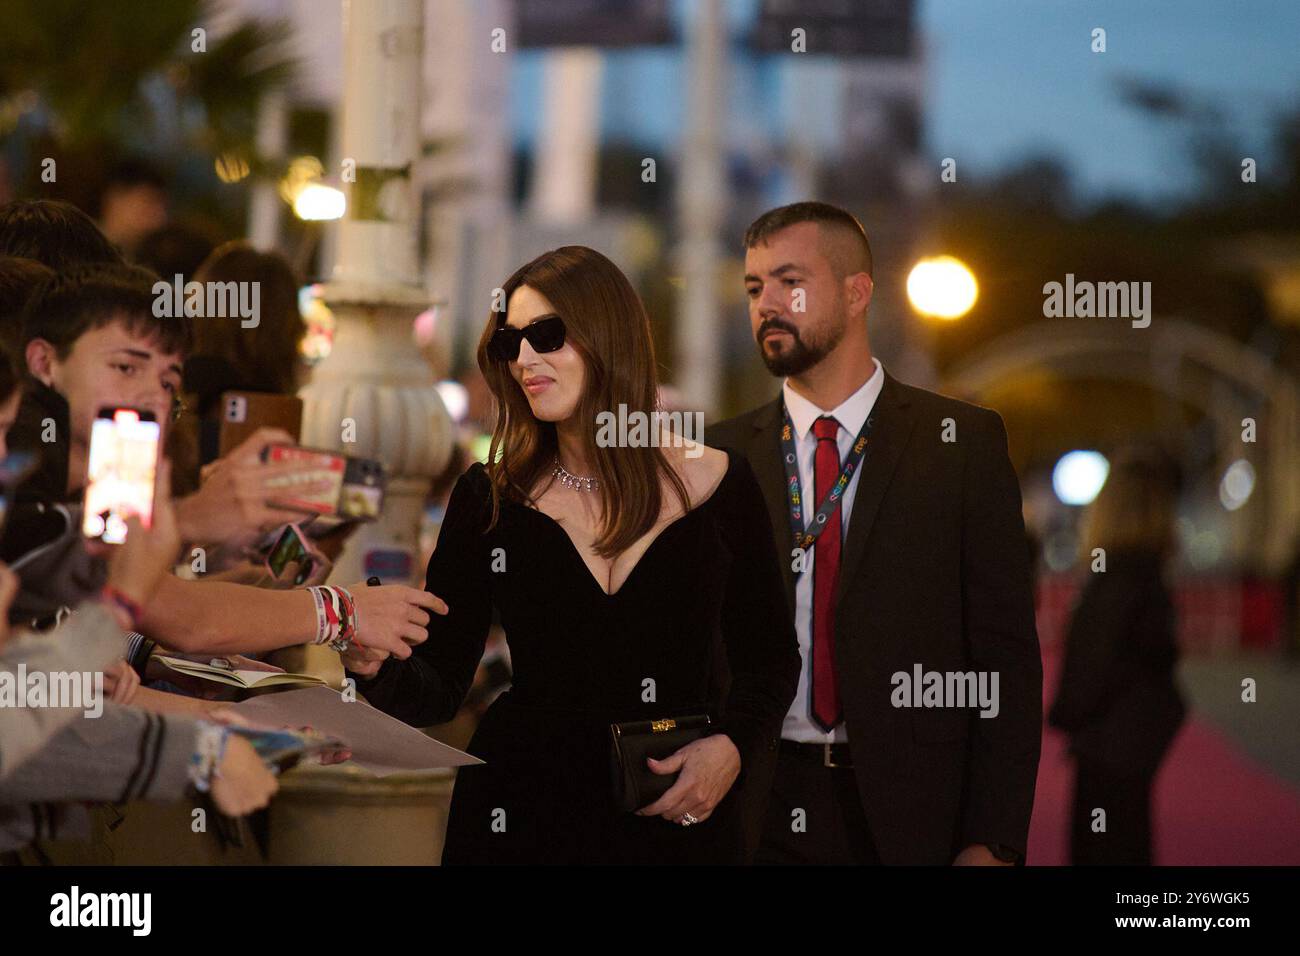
(582, 659)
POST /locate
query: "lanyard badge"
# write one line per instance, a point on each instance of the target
(804, 538)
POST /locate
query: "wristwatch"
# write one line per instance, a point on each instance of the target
(1004, 853)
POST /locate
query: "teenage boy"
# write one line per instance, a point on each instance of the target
(91, 340)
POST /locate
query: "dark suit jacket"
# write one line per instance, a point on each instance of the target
(935, 572)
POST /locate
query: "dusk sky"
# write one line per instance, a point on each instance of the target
(1010, 76)
(1005, 80)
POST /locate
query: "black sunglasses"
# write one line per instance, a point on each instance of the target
(544, 335)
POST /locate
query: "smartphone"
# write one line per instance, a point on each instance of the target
(124, 448)
(355, 489)
(291, 548)
(14, 469)
(243, 413)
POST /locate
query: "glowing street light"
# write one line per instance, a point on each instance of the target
(942, 287)
(1237, 484)
(317, 202)
(1079, 475)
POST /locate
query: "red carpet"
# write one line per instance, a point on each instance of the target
(1213, 804)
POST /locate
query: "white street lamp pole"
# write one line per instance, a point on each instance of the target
(701, 207)
(374, 396)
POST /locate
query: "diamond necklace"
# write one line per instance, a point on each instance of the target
(569, 480)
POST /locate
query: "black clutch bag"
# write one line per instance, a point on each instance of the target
(635, 784)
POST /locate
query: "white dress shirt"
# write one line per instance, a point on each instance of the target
(851, 415)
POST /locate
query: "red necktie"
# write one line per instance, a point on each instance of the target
(826, 573)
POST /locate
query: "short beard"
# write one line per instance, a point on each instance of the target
(800, 356)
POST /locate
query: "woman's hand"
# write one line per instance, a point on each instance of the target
(393, 617)
(364, 661)
(709, 766)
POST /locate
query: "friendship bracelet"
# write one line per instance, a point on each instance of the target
(333, 613)
(329, 615)
(209, 751)
(351, 624)
(322, 617)
(337, 621)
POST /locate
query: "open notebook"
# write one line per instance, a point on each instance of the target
(238, 678)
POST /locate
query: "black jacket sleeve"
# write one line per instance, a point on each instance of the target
(998, 615)
(429, 687)
(1120, 630)
(759, 637)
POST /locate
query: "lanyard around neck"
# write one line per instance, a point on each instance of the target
(805, 537)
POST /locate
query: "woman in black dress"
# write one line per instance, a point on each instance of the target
(1118, 698)
(634, 575)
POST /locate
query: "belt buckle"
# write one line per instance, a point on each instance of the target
(826, 756)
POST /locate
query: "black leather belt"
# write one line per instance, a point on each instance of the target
(828, 755)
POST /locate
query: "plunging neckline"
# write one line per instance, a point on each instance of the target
(577, 552)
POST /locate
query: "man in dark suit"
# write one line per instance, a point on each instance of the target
(914, 737)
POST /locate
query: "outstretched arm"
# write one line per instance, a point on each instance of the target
(429, 686)
(219, 618)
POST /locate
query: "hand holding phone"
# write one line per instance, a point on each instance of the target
(148, 554)
(233, 505)
(292, 549)
(122, 473)
(340, 485)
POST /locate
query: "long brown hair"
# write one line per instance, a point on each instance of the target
(607, 325)
(265, 354)
(1136, 507)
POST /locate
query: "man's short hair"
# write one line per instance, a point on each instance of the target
(833, 220)
(19, 278)
(69, 305)
(56, 234)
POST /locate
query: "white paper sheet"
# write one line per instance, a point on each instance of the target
(379, 743)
